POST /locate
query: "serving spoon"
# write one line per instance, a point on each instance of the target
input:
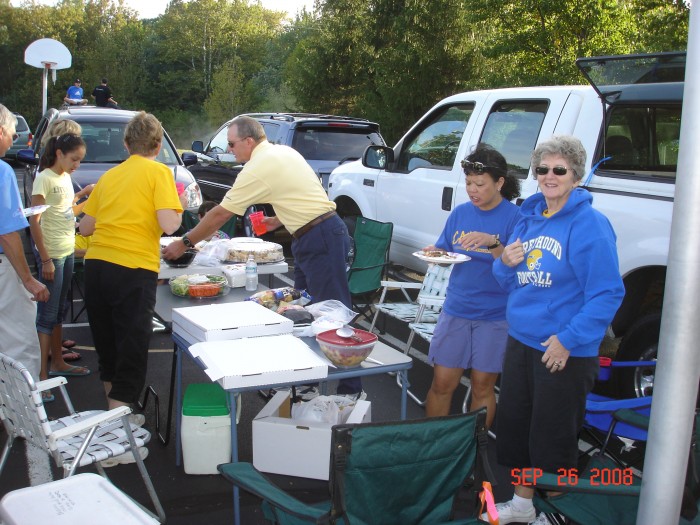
(348, 333)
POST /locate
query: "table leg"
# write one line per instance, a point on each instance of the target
(404, 391)
(234, 456)
(178, 405)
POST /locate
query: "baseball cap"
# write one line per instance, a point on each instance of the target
(76, 81)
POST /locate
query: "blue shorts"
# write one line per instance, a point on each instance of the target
(463, 343)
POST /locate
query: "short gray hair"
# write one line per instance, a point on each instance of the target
(248, 127)
(7, 118)
(566, 146)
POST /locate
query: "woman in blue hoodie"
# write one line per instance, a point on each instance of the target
(561, 270)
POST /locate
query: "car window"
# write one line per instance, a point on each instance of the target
(335, 144)
(512, 128)
(436, 142)
(104, 142)
(642, 141)
(21, 125)
(272, 131)
(219, 143)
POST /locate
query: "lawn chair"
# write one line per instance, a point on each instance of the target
(372, 241)
(390, 473)
(76, 440)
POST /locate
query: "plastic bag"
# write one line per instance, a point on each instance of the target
(210, 254)
(332, 410)
(280, 297)
(332, 309)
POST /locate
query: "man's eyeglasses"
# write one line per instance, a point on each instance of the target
(476, 167)
(558, 170)
(232, 144)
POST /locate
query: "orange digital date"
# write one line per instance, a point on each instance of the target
(570, 477)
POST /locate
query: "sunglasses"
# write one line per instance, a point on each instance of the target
(232, 143)
(476, 167)
(557, 170)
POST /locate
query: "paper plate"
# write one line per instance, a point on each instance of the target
(34, 210)
(446, 258)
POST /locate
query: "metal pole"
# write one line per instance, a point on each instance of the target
(45, 87)
(678, 369)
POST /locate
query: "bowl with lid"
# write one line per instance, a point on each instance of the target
(346, 352)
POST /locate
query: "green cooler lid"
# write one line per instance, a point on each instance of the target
(205, 400)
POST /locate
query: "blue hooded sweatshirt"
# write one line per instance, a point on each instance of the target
(569, 284)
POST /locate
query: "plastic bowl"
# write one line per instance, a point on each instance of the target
(198, 285)
(345, 352)
(183, 261)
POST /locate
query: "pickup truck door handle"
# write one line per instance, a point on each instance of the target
(368, 182)
(447, 198)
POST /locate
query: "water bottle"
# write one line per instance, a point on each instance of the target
(251, 274)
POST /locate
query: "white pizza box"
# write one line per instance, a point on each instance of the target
(222, 322)
(258, 361)
(282, 445)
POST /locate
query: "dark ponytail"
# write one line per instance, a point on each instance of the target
(65, 143)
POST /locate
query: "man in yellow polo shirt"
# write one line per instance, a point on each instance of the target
(280, 176)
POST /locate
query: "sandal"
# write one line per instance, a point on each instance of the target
(70, 355)
(70, 371)
(68, 343)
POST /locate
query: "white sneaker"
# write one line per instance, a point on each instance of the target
(508, 514)
(137, 419)
(124, 459)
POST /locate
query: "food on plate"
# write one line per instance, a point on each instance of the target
(262, 252)
(439, 254)
(198, 285)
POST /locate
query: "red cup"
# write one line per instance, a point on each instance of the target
(605, 368)
(256, 220)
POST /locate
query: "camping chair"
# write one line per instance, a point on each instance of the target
(190, 220)
(372, 241)
(591, 501)
(76, 440)
(390, 473)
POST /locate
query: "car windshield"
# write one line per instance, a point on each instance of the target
(104, 142)
(336, 144)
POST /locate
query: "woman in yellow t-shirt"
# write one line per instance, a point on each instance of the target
(53, 232)
(132, 205)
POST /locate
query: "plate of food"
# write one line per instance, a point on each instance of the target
(441, 257)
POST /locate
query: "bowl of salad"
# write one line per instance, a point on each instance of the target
(198, 285)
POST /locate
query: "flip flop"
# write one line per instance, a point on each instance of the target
(47, 396)
(68, 343)
(70, 371)
(70, 355)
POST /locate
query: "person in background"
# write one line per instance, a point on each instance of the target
(103, 96)
(53, 233)
(471, 332)
(561, 270)
(74, 94)
(280, 176)
(202, 211)
(130, 208)
(19, 291)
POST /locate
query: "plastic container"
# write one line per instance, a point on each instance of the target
(206, 428)
(198, 285)
(345, 352)
(256, 221)
(251, 274)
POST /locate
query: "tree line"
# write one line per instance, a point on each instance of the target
(205, 61)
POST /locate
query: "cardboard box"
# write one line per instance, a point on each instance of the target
(283, 446)
(259, 361)
(227, 321)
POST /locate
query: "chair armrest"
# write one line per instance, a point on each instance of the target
(431, 300)
(629, 416)
(614, 404)
(86, 424)
(52, 382)
(401, 284)
(246, 477)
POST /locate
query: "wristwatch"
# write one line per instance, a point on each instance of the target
(494, 245)
(187, 242)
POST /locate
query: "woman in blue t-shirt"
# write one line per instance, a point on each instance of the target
(471, 332)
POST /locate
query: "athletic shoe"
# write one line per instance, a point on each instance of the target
(507, 514)
(137, 419)
(124, 459)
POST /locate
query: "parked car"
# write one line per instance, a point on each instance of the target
(24, 139)
(103, 133)
(628, 119)
(325, 141)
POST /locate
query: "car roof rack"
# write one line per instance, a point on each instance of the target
(291, 117)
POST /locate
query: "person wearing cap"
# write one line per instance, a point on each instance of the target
(74, 95)
(103, 96)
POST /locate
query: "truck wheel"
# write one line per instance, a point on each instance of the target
(640, 343)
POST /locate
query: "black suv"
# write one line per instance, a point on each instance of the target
(325, 141)
(103, 133)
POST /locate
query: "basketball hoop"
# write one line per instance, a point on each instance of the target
(47, 54)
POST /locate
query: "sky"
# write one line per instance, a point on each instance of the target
(153, 8)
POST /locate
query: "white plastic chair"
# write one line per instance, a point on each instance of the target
(76, 440)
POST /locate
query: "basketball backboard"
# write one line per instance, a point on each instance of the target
(47, 51)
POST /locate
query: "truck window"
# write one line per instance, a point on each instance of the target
(642, 141)
(435, 143)
(512, 128)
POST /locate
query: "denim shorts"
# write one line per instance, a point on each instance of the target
(463, 343)
(50, 313)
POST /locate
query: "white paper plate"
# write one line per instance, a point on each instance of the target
(447, 258)
(34, 210)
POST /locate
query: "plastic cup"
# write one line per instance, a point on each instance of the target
(256, 220)
(605, 368)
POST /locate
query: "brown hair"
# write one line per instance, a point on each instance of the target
(143, 134)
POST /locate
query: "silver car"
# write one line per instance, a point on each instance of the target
(24, 140)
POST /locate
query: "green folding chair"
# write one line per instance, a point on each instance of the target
(190, 220)
(392, 473)
(372, 242)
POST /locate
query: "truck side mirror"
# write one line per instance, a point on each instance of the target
(378, 157)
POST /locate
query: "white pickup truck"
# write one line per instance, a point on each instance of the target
(630, 114)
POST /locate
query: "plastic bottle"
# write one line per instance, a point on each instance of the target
(251, 274)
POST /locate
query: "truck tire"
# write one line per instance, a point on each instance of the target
(640, 343)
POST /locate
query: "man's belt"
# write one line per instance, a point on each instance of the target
(318, 220)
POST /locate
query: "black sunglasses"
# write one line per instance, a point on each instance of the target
(476, 167)
(557, 170)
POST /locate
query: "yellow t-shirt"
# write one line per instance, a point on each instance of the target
(279, 175)
(58, 221)
(124, 204)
